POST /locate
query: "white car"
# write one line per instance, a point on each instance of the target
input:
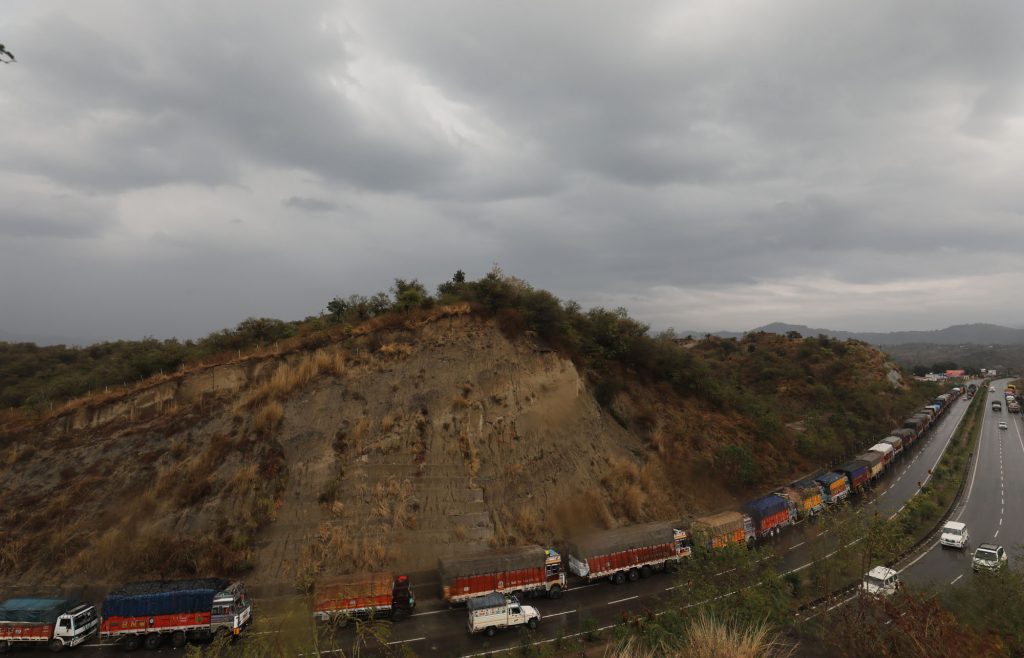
(881, 581)
(954, 535)
(1002, 424)
(989, 557)
(991, 389)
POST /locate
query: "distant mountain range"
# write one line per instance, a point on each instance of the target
(960, 334)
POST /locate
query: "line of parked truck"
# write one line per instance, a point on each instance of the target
(491, 583)
(138, 614)
(494, 583)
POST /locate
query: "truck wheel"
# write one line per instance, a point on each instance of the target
(132, 642)
(55, 645)
(399, 614)
(633, 575)
(532, 624)
(4, 646)
(520, 595)
(489, 631)
(178, 639)
(555, 592)
(645, 571)
(153, 641)
(619, 578)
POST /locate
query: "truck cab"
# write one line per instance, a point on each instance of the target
(232, 609)
(881, 581)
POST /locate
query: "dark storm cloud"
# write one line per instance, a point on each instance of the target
(749, 161)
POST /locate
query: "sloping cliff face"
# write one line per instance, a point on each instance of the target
(386, 447)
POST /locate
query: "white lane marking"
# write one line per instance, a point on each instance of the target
(956, 579)
(795, 545)
(415, 639)
(1000, 522)
(925, 552)
(558, 614)
(628, 598)
(995, 535)
(432, 612)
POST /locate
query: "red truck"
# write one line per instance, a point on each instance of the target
(363, 596)
(179, 610)
(628, 553)
(520, 571)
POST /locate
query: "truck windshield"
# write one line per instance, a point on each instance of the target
(222, 609)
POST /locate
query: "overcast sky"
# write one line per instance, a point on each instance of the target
(170, 168)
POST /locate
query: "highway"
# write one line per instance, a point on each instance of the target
(991, 506)
(439, 630)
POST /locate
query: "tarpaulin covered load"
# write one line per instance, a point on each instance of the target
(766, 506)
(35, 611)
(492, 600)
(508, 559)
(874, 461)
(896, 443)
(857, 470)
(721, 523)
(622, 539)
(908, 435)
(356, 590)
(163, 597)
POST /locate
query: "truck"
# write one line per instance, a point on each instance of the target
(909, 436)
(896, 443)
(723, 529)
(492, 612)
(806, 498)
(1013, 408)
(858, 473)
(997, 405)
(770, 514)
(363, 596)
(834, 487)
(55, 623)
(886, 450)
(875, 464)
(147, 613)
(522, 570)
(628, 553)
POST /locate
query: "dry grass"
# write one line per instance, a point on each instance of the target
(268, 418)
(395, 349)
(17, 453)
(707, 637)
(460, 402)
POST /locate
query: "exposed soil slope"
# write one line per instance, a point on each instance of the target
(402, 439)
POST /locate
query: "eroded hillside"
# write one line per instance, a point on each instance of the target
(402, 438)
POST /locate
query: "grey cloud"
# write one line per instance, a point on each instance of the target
(309, 203)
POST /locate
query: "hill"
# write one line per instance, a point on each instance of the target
(489, 414)
(974, 334)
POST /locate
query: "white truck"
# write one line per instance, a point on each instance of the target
(881, 581)
(56, 623)
(492, 612)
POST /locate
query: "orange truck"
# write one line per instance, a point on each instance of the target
(722, 529)
(362, 596)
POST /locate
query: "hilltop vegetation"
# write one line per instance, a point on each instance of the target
(487, 413)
